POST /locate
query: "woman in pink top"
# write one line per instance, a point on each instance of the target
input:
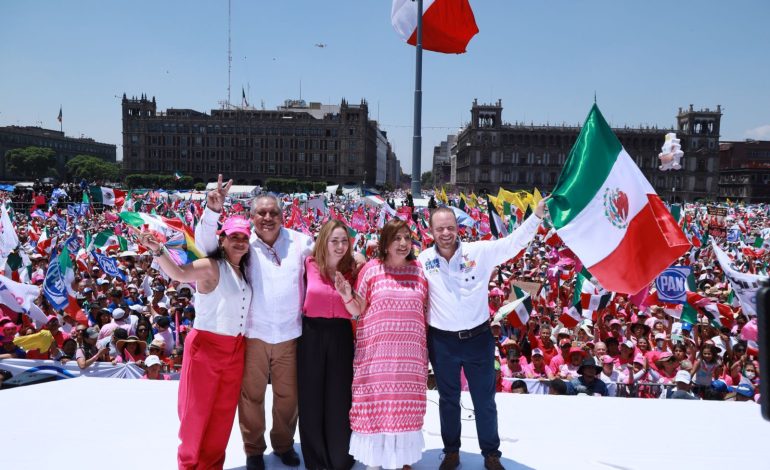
(391, 359)
(325, 354)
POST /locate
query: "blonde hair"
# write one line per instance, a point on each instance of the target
(345, 265)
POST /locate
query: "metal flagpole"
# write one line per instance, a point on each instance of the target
(417, 139)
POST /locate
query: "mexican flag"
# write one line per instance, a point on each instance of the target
(516, 311)
(608, 214)
(106, 239)
(447, 25)
(107, 196)
(571, 316)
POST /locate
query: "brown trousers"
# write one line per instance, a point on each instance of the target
(277, 362)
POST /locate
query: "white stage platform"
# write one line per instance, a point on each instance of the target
(95, 423)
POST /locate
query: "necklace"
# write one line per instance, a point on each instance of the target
(231, 264)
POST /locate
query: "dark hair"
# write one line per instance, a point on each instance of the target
(520, 384)
(219, 254)
(388, 234)
(559, 386)
(119, 333)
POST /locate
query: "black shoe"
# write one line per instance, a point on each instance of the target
(288, 458)
(451, 461)
(492, 462)
(255, 462)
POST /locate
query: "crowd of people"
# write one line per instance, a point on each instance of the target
(350, 314)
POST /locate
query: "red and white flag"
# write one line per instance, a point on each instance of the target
(447, 25)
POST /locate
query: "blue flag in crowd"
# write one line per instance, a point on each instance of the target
(62, 221)
(57, 193)
(39, 213)
(73, 244)
(54, 287)
(77, 210)
(109, 265)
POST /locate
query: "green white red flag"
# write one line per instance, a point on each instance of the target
(608, 214)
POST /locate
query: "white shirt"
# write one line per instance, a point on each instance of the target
(458, 289)
(224, 310)
(277, 292)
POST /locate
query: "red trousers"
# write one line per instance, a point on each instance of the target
(209, 388)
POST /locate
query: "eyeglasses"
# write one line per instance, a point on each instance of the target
(274, 254)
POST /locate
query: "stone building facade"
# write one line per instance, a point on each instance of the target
(314, 142)
(66, 148)
(745, 171)
(492, 153)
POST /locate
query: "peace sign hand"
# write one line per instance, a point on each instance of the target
(215, 199)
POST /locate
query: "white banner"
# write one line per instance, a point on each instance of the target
(745, 285)
(27, 371)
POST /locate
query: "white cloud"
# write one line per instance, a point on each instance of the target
(759, 133)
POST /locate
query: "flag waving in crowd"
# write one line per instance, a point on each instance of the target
(608, 214)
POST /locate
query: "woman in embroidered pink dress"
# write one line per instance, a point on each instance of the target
(390, 365)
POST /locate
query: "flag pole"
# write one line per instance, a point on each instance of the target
(417, 139)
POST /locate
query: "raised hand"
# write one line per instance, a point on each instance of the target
(148, 240)
(343, 286)
(215, 199)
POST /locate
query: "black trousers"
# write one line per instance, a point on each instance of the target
(324, 380)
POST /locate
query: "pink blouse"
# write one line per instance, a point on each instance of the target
(321, 298)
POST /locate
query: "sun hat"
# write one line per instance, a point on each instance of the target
(588, 362)
(574, 350)
(236, 224)
(683, 376)
(118, 314)
(124, 342)
(158, 343)
(743, 389)
(666, 356)
(152, 360)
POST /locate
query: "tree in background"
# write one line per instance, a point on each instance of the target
(31, 162)
(93, 169)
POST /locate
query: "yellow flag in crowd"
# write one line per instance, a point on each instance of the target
(536, 198)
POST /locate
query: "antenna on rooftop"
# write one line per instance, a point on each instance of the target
(229, 49)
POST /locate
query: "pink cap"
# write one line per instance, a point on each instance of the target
(607, 359)
(236, 224)
(639, 359)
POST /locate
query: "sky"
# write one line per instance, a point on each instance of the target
(545, 59)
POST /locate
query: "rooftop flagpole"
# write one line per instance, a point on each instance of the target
(417, 139)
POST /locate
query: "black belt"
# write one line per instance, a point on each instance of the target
(463, 334)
